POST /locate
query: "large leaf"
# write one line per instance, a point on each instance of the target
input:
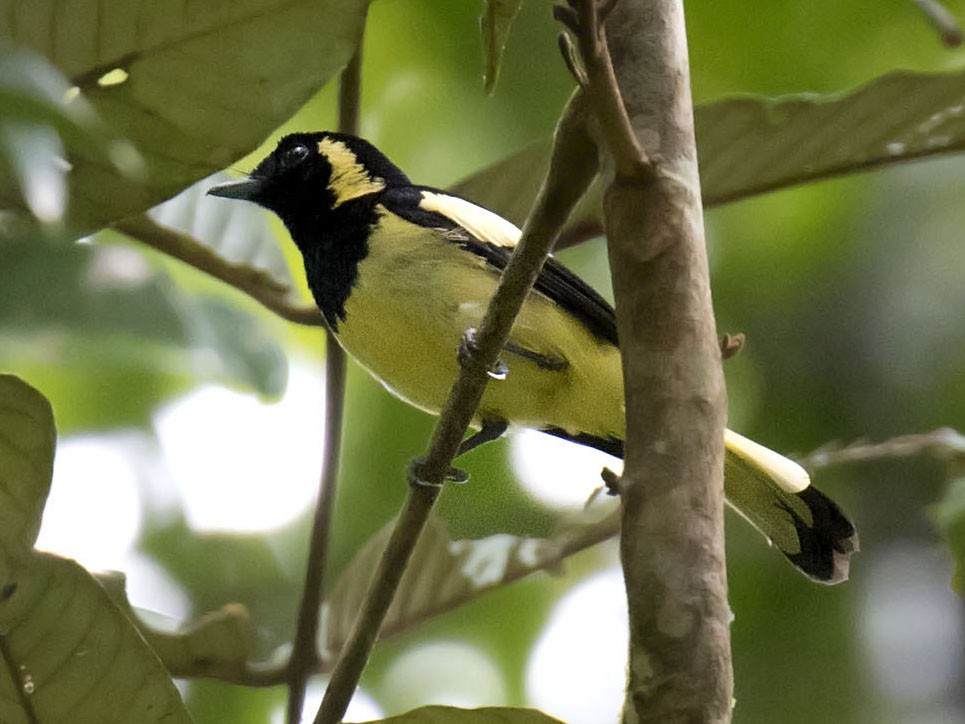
(27, 438)
(444, 573)
(69, 653)
(751, 145)
(195, 86)
(486, 715)
(73, 655)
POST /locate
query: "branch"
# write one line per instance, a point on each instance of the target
(943, 21)
(255, 283)
(672, 532)
(305, 658)
(571, 171)
(942, 444)
(585, 21)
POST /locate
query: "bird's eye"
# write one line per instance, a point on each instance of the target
(294, 155)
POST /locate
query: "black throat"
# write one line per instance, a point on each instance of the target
(332, 243)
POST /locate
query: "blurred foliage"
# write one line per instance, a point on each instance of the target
(950, 516)
(850, 292)
(68, 652)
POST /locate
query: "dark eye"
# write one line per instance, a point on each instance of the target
(294, 155)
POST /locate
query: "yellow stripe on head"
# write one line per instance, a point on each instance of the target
(350, 179)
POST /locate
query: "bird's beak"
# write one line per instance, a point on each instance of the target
(248, 189)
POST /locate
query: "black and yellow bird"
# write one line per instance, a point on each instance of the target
(401, 271)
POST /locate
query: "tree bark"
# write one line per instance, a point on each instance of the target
(672, 541)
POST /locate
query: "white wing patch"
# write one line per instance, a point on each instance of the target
(481, 223)
(785, 472)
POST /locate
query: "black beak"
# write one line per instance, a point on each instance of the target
(247, 189)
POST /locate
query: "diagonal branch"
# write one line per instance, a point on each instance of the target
(571, 171)
(253, 282)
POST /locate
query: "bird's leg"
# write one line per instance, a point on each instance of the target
(490, 430)
(544, 362)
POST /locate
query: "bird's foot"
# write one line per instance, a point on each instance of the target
(417, 477)
(469, 348)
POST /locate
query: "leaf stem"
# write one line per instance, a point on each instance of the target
(305, 657)
(571, 170)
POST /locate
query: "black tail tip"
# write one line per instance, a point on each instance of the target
(827, 543)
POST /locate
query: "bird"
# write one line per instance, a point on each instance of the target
(401, 272)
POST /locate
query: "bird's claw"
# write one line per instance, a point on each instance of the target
(468, 347)
(418, 478)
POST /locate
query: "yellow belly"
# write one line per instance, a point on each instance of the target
(416, 296)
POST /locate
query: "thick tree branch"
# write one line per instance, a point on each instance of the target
(305, 658)
(672, 544)
(571, 171)
(255, 283)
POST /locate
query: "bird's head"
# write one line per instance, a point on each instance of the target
(310, 173)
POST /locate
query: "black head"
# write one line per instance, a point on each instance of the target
(309, 173)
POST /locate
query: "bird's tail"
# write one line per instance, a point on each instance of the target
(776, 496)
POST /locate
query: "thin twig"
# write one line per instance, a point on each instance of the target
(255, 283)
(253, 675)
(941, 444)
(305, 657)
(943, 21)
(585, 21)
(571, 170)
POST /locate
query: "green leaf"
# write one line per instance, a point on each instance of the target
(194, 86)
(497, 20)
(486, 715)
(217, 643)
(444, 574)
(72, 655)
(950, 517)
(27, 438)
(69, 654)
(752, 145)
